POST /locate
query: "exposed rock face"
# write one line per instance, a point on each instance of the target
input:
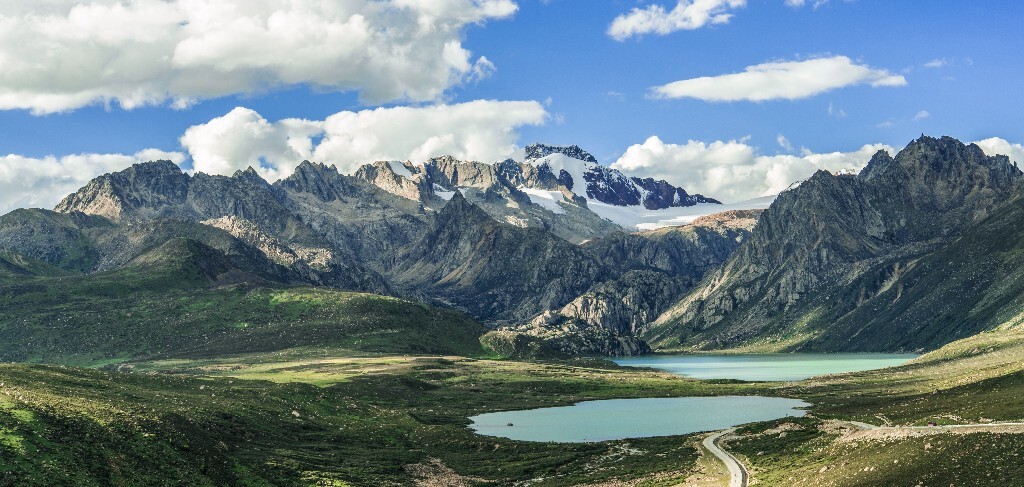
(317, 265)
(160, 190)
(690, 250)
(915, 251)
(359, 220)
(397, 178)
(570, 340)
(661, 194)
(578, 172)
(54, 238)
(253, 235)
(451, 173)
(322, 182)
(157, 201)
(825, 234)
(497, 272)
(538, 151)
(974, 284)
(652, 270)
(501, 188)
(626, 304)
(152, 189)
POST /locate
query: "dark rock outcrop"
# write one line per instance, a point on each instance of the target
(146, 190)
(653, 269)
(60, 240)
(538, 151)
(496, 272)
(785, 286)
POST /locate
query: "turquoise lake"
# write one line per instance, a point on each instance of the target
(634, 418)
(766, 367)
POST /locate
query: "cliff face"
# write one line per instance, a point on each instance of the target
(657, 267)
(652, 269)
(819, 237)
(497, 272)
(153, 188)
(150, 203)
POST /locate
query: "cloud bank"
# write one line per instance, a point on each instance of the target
(997, 146)
(686, 15)
(482, 130)
(27, 182)
(60, 55)
(783, 80)
(733, 171)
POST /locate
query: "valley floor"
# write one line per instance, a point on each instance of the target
(334, 417)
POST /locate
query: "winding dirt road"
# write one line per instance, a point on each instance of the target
(737, 472)
(865, 431)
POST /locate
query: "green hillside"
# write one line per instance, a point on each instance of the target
(370, 421)
(976, 380)
(184, 299)
(13, 266)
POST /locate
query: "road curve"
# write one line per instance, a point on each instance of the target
(738, 474)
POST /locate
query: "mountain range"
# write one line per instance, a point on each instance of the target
(554, 253)
(878, 261)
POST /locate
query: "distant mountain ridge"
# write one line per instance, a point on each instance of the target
(499, 241)
(579, 172)
(826, 248)
(539, 247)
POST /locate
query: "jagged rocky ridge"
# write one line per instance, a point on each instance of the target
(463, 234)
(542, 186)
(913, 252)
(580, 173)
(834, 253)
(652, 268)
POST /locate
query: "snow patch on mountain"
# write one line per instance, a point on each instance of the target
(545, 199)
(443, 193)
(636, 218)
(575, 168)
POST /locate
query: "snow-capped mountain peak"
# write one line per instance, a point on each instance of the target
(579, 172)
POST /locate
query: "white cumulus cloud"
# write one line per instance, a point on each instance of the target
(994, 146)
(58, 55)
(801, 3)
(481, 130)
(243, 138)
(733, 171)
(27, 182)
(788, 80)
(686, 15)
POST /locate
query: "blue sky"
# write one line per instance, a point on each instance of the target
(596, 89)
(559, 50)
